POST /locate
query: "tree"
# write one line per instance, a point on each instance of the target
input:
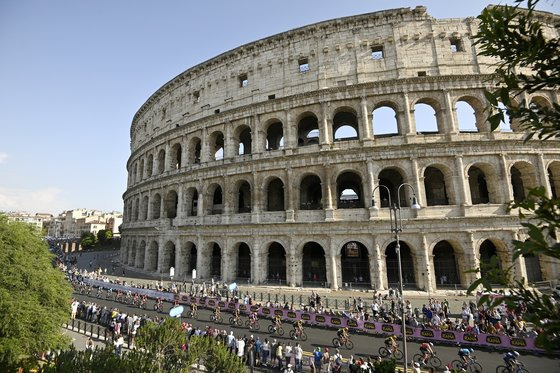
(104, 236)
(88, 240)
(527, 62)
(34, 296)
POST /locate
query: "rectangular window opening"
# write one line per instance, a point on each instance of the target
(271, 97)
(303, 65)
(217, 111)
(196, 96)
(421, 73)
(456, 45)
(243, 80)
(377, 52)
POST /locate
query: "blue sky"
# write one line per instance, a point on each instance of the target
(74, 72)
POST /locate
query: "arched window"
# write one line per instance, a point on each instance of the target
(192, 202)
(311, 195)
(195, 150)
(384, 121)
(176, 154)
(533, 268)
(349, 191)
(308, 130)
(243, 262)
(391, 178)
(274, 136)
(217, 146)
(354, 263)
(244, 198)
(161, 162)
(156, 206)
(466, 116)
(168, 257)
(554, 178)
(434, 184)
(276, 263)
(150, 166)
(216, 207)
(392, 264)
(141, 255)
(425, 118)
(136, 209)
(345, 126)
(141, 170)
(275, 195)
(145, 203)
(171, 203)
(489, 261)
(152, 259)
(314, 265)
(505, 126)
(478, 186)
(523, 178)
(244, 140)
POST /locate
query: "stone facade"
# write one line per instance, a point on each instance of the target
(262, 164)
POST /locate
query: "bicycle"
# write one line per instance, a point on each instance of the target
(158, 307)
(432, 360)
(235, 321)
(273, 329)
(216, 318)
(519, 368)
(252, 325)
(471, 366)
(337, 342)
(294, 334)
(395, 352)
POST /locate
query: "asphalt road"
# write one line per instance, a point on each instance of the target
(364, 345)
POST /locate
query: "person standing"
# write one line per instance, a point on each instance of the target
(327, 360)
(298, 356)
(288, 353)
(279, 354)
(318, 359)
(266, 351)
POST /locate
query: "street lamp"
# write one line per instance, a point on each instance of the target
(396, 228)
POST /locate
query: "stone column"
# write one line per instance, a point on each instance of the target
(293, 270)
(426, 267)
(256, 197)
(325, 125)
(451, 114)
(290, 134)
(376, 268)
(507, 189)
(327, 190)
(366, 130)
(409, 126)
(543, 175)
(290, 195)
(200, 204)
(256, 135)
(230, 150)
(181, 202)
(462, 197)
(160, 255)
(471, 260)
(205, 147)
(184, 153)
(229, 261)
(167, 161)
(203, 258)
(258, 270)
(417, 183)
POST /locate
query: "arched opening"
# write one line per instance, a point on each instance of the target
(310, 193)
(345, 126)
(355, 264)
(392, 264)
(445, 265)
(168, 257)
(156, 206)
(554, 179)
(244, 140)
(141, 170)
(478, 186)
(136, 209)
(274, 136)
(192, 258)
(194, 149)
(141, 255)
(150, 166)
(244, 198)
(217, 146)
(466, 117)
(489, 261)
(390, 178)
(275, 195)
(176, 154)
(308, 130)
(135, 173)
(171, 203)
(216, 261)
(161, 162)
(191, 202)
(505, 125)
(384, 119)
(434, 185)
(145, 203)
(425, 118)
(314, 264)
(243, 262)
(522, 179)
(276, 263)
(216, 207)
(349, 191)
(132, 255)
(152, 259)
(533, 268)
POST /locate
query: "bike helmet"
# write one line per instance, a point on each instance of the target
(431, 344)
(471, 350)
(516, 354)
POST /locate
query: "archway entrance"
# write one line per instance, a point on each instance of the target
(392, 263)
(276, 263)
(354, 263)
(314, 265)
(489, 261)
(216, 261)
(445, 265)
(533, 268)
(244, 262)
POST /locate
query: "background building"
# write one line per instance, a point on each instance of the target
(260, 164)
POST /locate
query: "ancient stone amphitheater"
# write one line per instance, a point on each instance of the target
(275, 162)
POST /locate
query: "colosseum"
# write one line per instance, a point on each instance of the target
(278, 162)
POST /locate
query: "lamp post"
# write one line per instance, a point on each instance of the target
(396, 228)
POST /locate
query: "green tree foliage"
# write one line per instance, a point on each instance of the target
(164, 341)
(88, 240)
(104, 236)
(213, 356)
(527, 62)
(34, 296)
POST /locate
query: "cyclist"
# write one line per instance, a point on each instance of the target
(465, 354)
(252, 319)
(510, 358)
(159, 304)
(427, 351)
(136, 298)
(298, 328)
(391, 343)
(194, 310)
(277, 320)
(342, 334)
(217, 313)
(119, 296)
(144, 301)
(236, 315)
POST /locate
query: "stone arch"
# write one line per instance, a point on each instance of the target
(156, 206)
(171, 204)
(490, 253)
(523, 178)
(308, 129)
(538, 101)
(131, 255)
(314, 269)
(310, 193)
(152, 255)
(392, 262)
(144, 209)
(215, 260)
(274, 131)
(445, 264)
(391, 177)
(345, 125)
(243, 140)
(191, 201)
(469, 114)
(385, 120)
(243, 197)
(195, 150)
(276, 256)
(161, 162)
(215, 203)
(242, 269)
(554, 178)
(437, 185)
(168, 257)
(141, 170)
(193, 254)
(481, 184)
(349, 190)
(216, 146)
(136, 210)
(141, 255)
(135, 172)
(354, 264)
(150, 166)
(274, 191)
(427, 116)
